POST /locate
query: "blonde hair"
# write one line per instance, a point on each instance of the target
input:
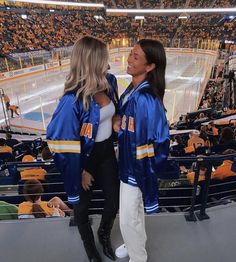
(88, 68)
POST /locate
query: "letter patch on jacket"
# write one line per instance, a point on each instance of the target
(123, 122)
(131, 124)
(87, 130)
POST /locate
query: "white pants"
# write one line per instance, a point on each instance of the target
(132, 223)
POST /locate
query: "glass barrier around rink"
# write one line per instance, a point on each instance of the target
(27, 62)
(14, 64)
(179, 83)
(32, 114)
(20, 62)
(37, 60)
(3, 65)
(64, 52)
(181, 100)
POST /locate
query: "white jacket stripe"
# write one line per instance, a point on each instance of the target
(64, 146)
(144, 151)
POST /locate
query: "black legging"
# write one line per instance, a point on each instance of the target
(102, 164)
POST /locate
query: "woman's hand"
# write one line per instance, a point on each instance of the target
(116, 123)
(87, 180)
(54, 202)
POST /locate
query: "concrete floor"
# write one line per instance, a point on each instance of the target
(170, 239)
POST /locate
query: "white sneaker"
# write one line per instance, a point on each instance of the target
(121, 251)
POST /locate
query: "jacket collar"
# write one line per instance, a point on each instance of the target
(142, 85)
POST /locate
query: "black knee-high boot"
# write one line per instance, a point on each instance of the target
(104, 236)
(88, 241)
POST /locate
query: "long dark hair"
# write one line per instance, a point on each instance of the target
(155, 54)
(32, 190)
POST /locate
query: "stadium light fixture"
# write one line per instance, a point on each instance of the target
(98, 17)
(229, 42)
(46, 2)
(139, 17)
(184, 16)
(172, 11)
(24, 16)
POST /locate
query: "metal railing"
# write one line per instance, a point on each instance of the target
(192, 211)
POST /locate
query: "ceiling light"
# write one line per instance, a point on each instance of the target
(98, 17)
(184, 16)
(139, 17)
(172, 11)
(46, 2)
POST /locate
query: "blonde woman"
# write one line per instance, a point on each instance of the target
(80, 138)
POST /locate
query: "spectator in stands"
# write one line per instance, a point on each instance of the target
(13, 109)
(194, 141)
(79, 136)
(227, 137)
(212, 133)
(64, 27)
(201, 118)
(231, 77)
(221, 172)
(177, 147)
(211, 129)
(203, 133)
(143, 138)
(32, 173)
(225, 169)
(46, 154)
(47, 157)
(11, 141)
(8, 211)
(34, 207)
(177, 141)
(6, 100)
(4, 148)
(220, 75)
(182, 121)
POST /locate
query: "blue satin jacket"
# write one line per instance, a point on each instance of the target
(143, 142)
(71, 136)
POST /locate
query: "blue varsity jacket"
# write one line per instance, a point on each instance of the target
(143, 142)
(71, 136)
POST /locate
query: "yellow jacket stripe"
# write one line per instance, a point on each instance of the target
(144, 151)
(64, 146)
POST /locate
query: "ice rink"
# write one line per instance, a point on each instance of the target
(37, 95)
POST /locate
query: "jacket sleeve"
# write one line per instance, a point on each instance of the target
(113, 95)
(152, 145)
(63, 138)
(114, 90)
